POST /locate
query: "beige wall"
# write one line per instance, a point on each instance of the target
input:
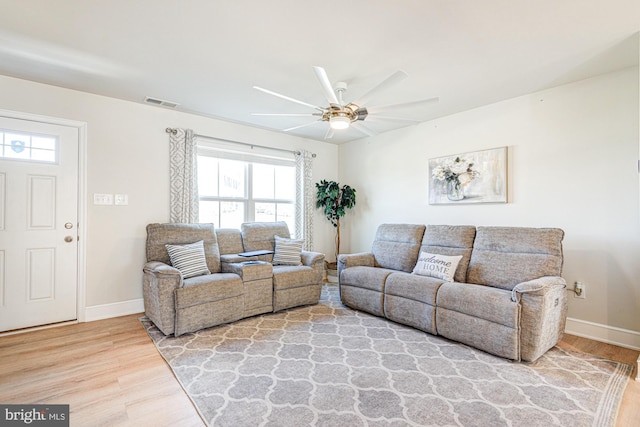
(127, 152)
(573, 164)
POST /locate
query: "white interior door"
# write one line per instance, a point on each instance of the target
(38, 223)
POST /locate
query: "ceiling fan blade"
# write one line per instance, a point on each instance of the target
(403, 105)
(376, 117)
(297, 101)
(393, 79)
(363, 129)
(321, 74)
(329, 133)
(301, 126)
(287, 114)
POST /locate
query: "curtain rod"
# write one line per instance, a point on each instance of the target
(174, 131)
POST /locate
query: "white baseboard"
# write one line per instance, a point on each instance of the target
(603, 333)
(106, 311)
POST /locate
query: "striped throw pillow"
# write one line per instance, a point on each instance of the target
(189, 259)
(287, 251)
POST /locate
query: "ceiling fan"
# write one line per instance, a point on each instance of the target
(340, 114)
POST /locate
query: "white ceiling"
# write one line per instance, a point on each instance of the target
(207, 55)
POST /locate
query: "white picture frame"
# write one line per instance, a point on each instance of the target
(469, 178)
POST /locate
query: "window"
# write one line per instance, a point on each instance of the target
(25, 146)
(235, 188)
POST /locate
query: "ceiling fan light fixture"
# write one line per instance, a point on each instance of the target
(339, 122)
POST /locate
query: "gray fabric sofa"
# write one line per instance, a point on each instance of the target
(507, 296)
(237, 287)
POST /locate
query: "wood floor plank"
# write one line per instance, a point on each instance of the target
(110, 373)
(629, 414)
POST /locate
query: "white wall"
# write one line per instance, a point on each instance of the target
(573, 164)
(128, 153)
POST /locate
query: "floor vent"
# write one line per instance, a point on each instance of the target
(156, 101)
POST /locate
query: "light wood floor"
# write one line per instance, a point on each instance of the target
(110, 373)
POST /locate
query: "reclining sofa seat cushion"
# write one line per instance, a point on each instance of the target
(395, 249)
(494, 316)
(411, 299)
(362, 288)
(208, 300)
(176, 305)
(480, 316)
(292, 285)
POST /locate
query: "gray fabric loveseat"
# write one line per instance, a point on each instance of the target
(228, 287)
(505, 297)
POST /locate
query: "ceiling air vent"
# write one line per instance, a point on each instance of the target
(156, 101)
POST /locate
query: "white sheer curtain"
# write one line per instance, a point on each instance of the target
(183, 163)
(305, 198)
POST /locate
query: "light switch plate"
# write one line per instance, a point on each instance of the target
(102, 199)
(122, 199)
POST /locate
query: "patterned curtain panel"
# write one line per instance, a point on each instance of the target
(305, 201)
(184, 176)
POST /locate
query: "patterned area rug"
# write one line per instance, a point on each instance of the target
(327, 365)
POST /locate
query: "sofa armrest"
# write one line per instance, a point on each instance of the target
(159, 284)
(311, 258)
(539, 286)
(160, 268)
(365, 259)
(314, 260)
(543, 314)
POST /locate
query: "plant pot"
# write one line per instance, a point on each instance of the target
(331, 272)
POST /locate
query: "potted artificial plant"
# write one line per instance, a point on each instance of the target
(334, 200)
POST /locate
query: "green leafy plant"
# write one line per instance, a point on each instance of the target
(335, 200)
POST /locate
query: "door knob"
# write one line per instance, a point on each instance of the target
(68, 239)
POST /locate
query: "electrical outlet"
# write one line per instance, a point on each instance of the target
(580, 290)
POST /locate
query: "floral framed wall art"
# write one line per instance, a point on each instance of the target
(474, 177)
